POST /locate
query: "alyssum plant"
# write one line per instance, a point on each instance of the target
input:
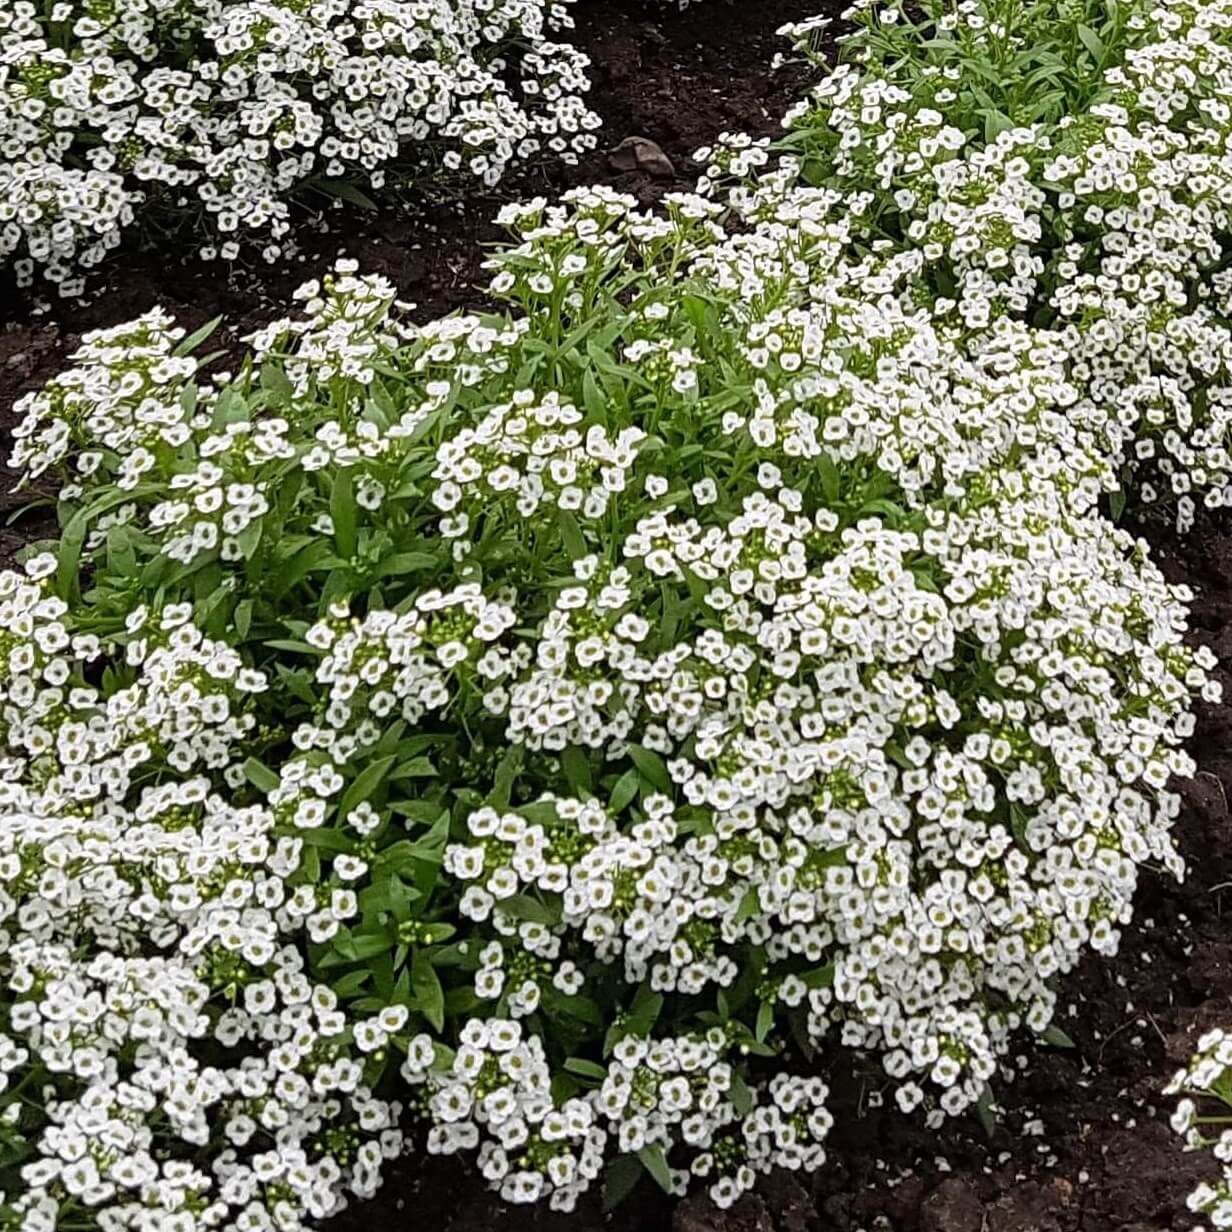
(217, 116)
(1063, 165)
(562, 724)
(549, 734)
(1202, 1118)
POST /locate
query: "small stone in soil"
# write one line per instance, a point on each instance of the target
(642, 154)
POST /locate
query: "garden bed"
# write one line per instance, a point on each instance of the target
(1080, 1141)
(677, 78)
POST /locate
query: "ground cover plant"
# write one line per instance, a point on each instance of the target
(213, 119)
(1068, 167)
(1205, 1082)
(544, 735)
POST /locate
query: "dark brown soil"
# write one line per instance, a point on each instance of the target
(1082, 1143)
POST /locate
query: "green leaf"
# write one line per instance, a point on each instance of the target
(462, 1000)
(592, 397)
(750, 905)
(740, 1095)
(342, 511)
(586, 1069)
(576, 765)
(231, 407)
(406, 562)
(827, 474)
(249, 539)
(655, 1162)
(1116, 504)
(624, 791)
(995, 122)
(1093, 43)
(415, 768)
(196, 338)
(427, 991)
(582, 1008)
(571, 535)
(243, 618)
(986, 1112)
(765, 1021)
(260, 776)
(365, 785)
(344, 190)
(73, 537)
(652, 768)
(620, 1179)
(523, 907)
(274, 381)
(819, 977)
(350, 948)
(1056, 1038)
(506, 775)
(645, 1012)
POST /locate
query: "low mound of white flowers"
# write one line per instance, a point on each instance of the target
(1064, 164)
(217, 115)
(1203, 1117)
(545, 735)
(610, 705)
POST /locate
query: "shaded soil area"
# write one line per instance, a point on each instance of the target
(1082, 1143)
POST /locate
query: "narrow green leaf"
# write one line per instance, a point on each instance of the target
(986, 1112)
(571, 535)
(342, 511)
(243, 618)
(576, 765)
(741, 1096)
(828, 475)
(1057, 1038)
(592, 397)
(344, 190)
(620, 1178)
(427, 991)
(196, 338)
(586, 1069)
(655, 1162)
(365, 785)
(1093, 43)
(506, 775)
(260, 776)
(765, 1021)
(274, 381)
(625, 791)
(652, 768)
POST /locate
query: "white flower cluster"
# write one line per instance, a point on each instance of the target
(604, 707)
(909, 729)
(155, 1014)
(220, 114)
(1207, 1080)
(1110, 226)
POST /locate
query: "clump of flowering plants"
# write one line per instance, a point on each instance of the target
(613, 704)
(219, 116)
(1067, 166)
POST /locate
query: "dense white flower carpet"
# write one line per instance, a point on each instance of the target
(543, 735)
